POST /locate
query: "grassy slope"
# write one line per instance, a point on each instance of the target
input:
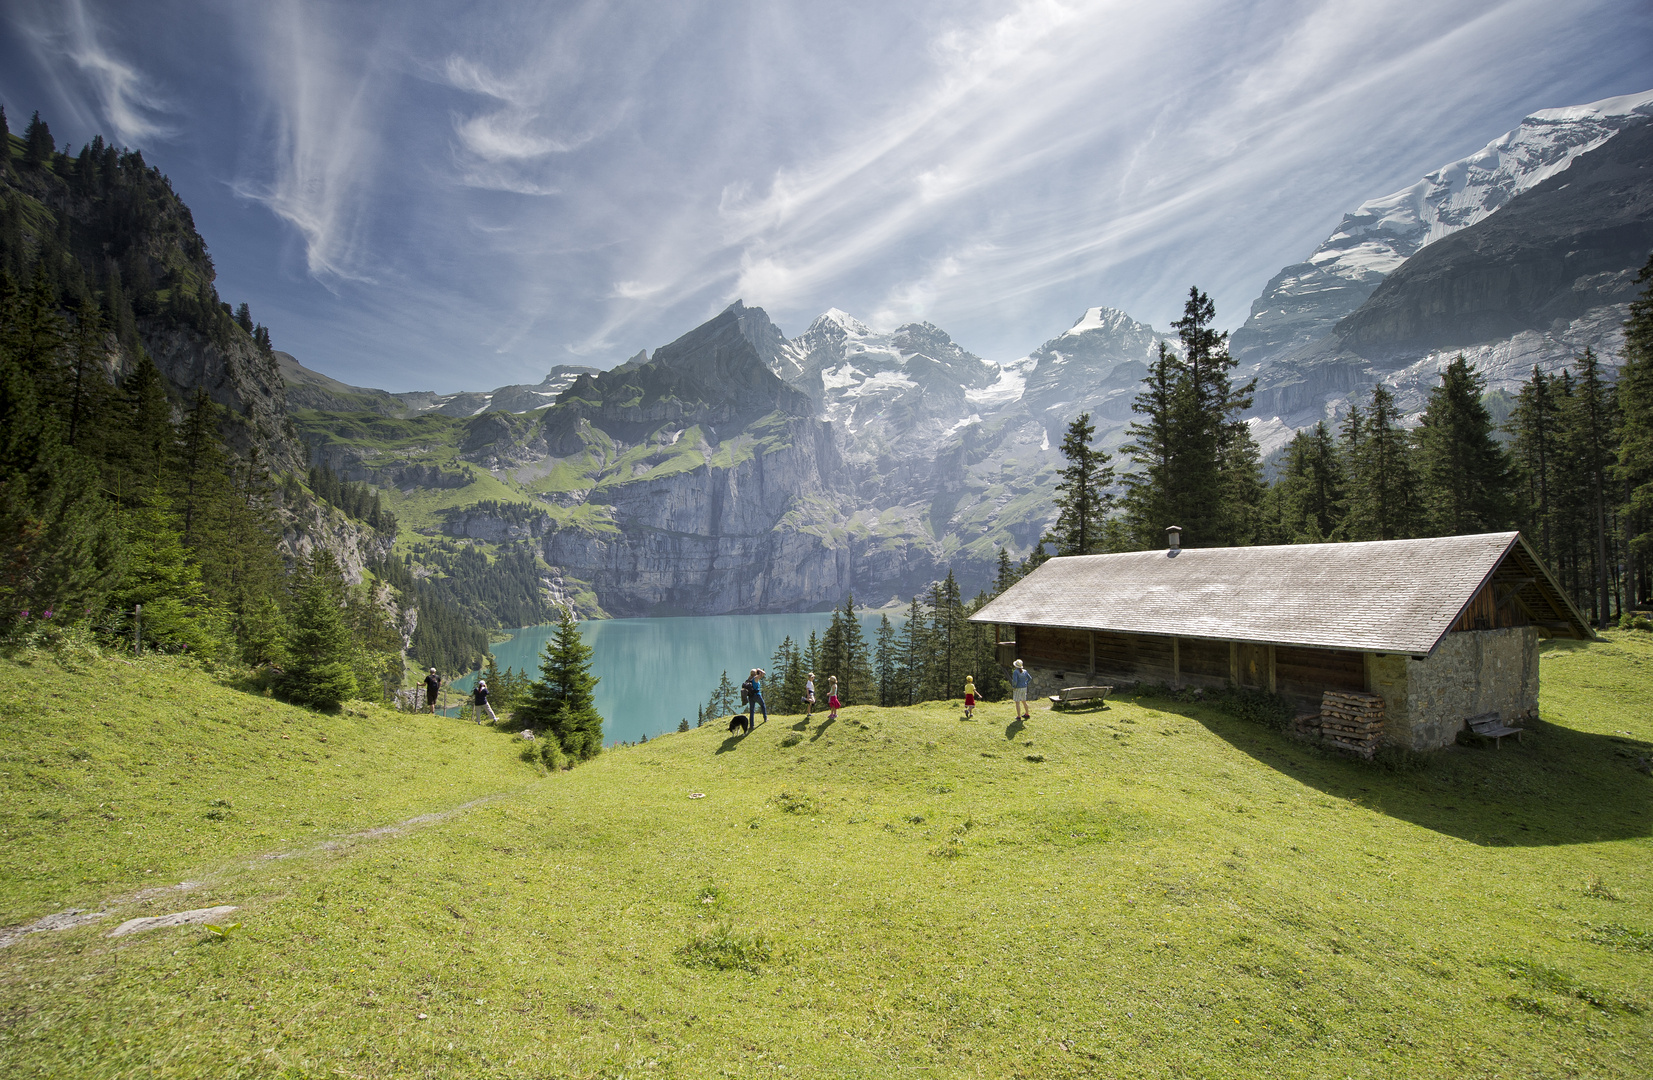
(1166, 893)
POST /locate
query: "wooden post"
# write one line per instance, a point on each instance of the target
(1093, 655)
(137, 629)
(1271, 688)
(1234, 663)
(1176, 664)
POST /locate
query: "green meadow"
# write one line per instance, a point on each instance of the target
(1148, 889)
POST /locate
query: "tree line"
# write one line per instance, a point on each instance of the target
(1572, 468)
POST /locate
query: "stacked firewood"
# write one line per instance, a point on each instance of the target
(1351, 722)
(1307, 725)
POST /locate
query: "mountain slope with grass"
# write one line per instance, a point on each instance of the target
(1148, 889)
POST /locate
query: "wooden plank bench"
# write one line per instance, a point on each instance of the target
(1490, 726)
(1081, 693)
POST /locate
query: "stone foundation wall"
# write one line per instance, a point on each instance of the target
(1426, 701)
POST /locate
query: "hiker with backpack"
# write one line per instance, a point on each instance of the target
(751, 695)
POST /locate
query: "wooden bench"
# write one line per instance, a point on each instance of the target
(1081, 693)
(1489, 726)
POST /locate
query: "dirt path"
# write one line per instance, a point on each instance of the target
(73, 917)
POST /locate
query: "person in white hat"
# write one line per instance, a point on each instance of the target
(1020, 680)
(433, 686)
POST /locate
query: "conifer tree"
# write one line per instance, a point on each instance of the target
(1635, 436)
(60, 546)
(1308, 500)
(1534, 425)
(560, 701)
(1590, 426)
(856, 677)
(1198, 461)
(319, 673)
(1083, 502)
(913, 651)
(887, 674)
(1152, 449)
(1005, 575)
(1383, 495)
(1463, 472)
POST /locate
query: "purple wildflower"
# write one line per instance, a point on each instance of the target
(48, 614)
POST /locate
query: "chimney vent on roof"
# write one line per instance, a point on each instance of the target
(1173, 537)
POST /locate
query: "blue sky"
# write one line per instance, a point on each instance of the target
(448, 196)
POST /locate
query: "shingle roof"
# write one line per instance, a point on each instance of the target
(1380, 596)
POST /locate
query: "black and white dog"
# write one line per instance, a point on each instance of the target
(741, 723)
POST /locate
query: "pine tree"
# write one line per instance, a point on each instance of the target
(244, 318)
(37, 140)
(318, 673)
(1083, 502)
(1309, 500)
(1199, 464)
(1635, 436)
(1152, 449)
(885, 660)
(1383, 485)
(1590, 426)
(1005, 575)
(1534, 425)
(913, 653)
(60, 546)
(560, 701)
(1463, 473)
(856, 676)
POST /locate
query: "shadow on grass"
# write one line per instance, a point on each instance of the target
(828, 722)
(1561, 786)
(1014, 728)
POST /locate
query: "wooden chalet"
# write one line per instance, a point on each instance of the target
(1440, 629)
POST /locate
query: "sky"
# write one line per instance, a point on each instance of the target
(457, 196)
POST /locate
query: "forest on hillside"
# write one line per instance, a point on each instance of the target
(119, 494)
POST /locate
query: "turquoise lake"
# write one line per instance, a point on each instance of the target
(656, 672)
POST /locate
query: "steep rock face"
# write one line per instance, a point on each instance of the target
(1570, 244)
(1532, 285)
(307, 389)
(239, 376)
(1304, 301)
(711, 377)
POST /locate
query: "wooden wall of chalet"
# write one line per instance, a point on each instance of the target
(1069, 649)
(1483, 612)
(1298, 672)
(1135, 656)
(1307, 673)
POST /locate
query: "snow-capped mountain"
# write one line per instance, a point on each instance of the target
(1095, 366)
(1303, 301)
(861, 375)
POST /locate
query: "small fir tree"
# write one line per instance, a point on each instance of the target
(561, 702)
(319, 650)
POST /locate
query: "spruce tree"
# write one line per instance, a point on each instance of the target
(560, 701)
(319, 649)
(164, 576)
(884, 660)
(1152, 449)
(60, 546)
(1635, 435)
(1383, 485)
(1463, 472)
(1590, 426)
(1005, 575)
(1309, 500)
(1534, 425)
(856, 678)
(1083, 502)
